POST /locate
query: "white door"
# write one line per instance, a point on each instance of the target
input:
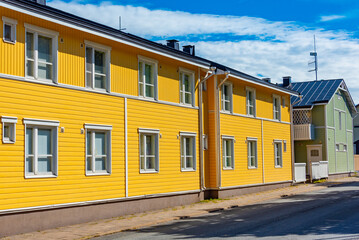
(314, 154)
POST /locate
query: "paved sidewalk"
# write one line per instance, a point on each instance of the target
(140, 220)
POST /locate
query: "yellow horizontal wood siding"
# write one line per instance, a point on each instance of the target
(73, 109)
(277, 131)
(241, 128)
(170, 121)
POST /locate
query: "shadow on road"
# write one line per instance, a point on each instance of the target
(331, 212)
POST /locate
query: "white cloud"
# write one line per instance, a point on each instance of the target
(331, 18)
(286, 53)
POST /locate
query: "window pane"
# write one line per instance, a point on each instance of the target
(227, 106)
(100, 144)
(100, 81)
(29, 146)
(142, 159)
(29, 164)
(44, 142)
(188, 142)
(150, 163)
(183, 162)
(188, 98)
(30, 45)
(29, 68)
(7, 32)
(189, 162)
(7, 131)
(148, 74)
(100, 62)
(88, 79)
(89, 60)
(89, 143)
(149, 91)
(100, 164)
(150, 145)
(45, 70)
(44, 164)
(45, 49)
(89, 163)
(187, 85)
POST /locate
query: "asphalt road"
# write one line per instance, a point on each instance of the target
(332, 213)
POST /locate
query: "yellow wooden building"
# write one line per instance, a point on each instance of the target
(97, 123)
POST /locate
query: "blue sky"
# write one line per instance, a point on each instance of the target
(269, 38)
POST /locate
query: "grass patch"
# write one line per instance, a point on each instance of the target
(320, 181)
(213, 200)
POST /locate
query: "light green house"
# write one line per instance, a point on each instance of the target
(323, 126)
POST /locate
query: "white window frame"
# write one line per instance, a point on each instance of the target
(46, 33)
(283, 102)
(253, 91)
(252, 140)
(223, 101)
(9, 122)
(12, 23)
(107, 51)
(154, 64)
(35, 124)
(93, 129)
(280, 165)
(184, 135)
(231, 139)
(205, 142)
(149, 132)
(183, 93)
(279, 107)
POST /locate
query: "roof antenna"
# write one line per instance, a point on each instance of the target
(120, 24)
(315, 62)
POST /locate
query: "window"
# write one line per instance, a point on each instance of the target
(284, 146)
(228, 153)
(314, 153)
(9, 27)
(186, 87)
(337, 147)
(278, 154)
(147, 80)
(97, 66)
(98, 149)
(188, 151)
(41, 148)
(251, 102)
(283, 102)
(227, 97)
(149, 150)
(252, 152)
(41, 53)
(8, 129)
(345, 148)
(276, 107)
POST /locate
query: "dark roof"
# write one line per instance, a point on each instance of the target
(320, 92)
(314, 92)
(54, 13)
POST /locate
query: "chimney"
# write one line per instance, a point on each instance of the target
(287, 81)
(42, 2)
(189, 49)
(173, 44)
(268, 80)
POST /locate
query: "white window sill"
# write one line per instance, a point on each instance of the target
(98, 174)
(251, 168)
(99, 90)
(278, 166)
(187, 104)
(11, 42)
(226, 112)
(8, 141)
(252, 116)
(188, 170)
(228, 168)
(148, 171)
(39, 79)
(40, 176)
